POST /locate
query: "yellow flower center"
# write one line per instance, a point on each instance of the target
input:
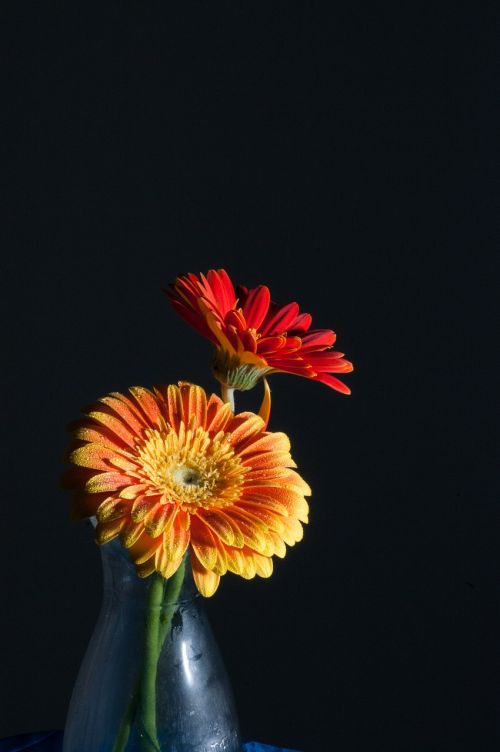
(191, 468)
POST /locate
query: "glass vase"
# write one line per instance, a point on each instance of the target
(152, 679)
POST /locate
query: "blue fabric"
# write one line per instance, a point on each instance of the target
(51, 741)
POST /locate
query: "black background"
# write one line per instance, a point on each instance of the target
(342, 156)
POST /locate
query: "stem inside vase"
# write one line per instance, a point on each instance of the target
(163, 596)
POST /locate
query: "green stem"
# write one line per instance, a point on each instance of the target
(171, 597)
(126, 725)
(166, 593)
(227, 394)
(150, 664)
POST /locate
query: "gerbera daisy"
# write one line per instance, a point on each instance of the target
(169, 470)
(254, 336)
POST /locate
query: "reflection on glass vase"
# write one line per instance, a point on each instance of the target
(152, 679)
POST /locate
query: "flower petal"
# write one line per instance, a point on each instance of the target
(106, 482)
(149, 405)
(106, 531)
(159, 519)
(319, 338)
(334, 383)
(206, 581)
(256, 306)
(111, 509)
(203, 543)
(176, 538)
(281, 320)
(92, 456)
(115, 425)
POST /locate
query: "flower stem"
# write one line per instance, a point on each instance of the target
(227, 394)
(150, 665)
(126, 726)
(165, 594)
(172, 590)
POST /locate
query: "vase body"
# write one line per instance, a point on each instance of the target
(189, 696)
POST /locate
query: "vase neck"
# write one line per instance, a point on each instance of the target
(122, 583)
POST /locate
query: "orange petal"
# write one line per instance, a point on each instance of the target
(106, 482)
(165, 566)
(112, 509)
(271, 519)
(176, 538)
(243, 426)
(144, 548)
(264, 501)
(293, 531)
(263, 565)
(132, 491)
(294, 480)
(213, 406)
(269, 460)
(124, 464)
(98, 435)
(125, 413)
(278, 544)
(219, 525)
(175, 408)
(240, 561)
(159, 519)
(131, 533)
(93, 456)
(220, 566)
(142, 505)
(218, 420)
(145, 568)
(106, 531)
(265, 475)
(265, 407)
(148, 404)
(195, 405)
(268, 442)
(116, 426)
(203, 543)
(206, 581)
(293, 501)
(253, 530)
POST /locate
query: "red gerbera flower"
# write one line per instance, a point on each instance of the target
(253, 335)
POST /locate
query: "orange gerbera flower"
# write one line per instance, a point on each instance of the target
(255, 336)
(168, 470)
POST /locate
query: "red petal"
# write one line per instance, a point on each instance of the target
(257, 306)
(320, 338)
(236, 319)
(271, 344)
(333, 382)
(281, 320)
(194, 318)
(301, 324)
(327, 361)
(290, 365)
(249, 341)
(223, 289)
